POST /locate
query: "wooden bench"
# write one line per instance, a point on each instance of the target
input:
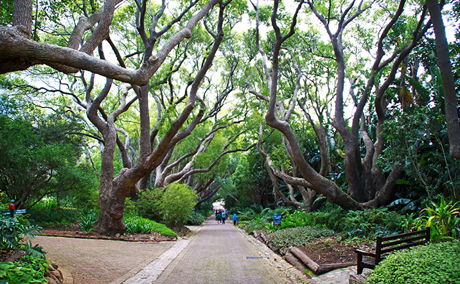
(385, 245)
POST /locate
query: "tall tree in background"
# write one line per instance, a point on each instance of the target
(451, 100)
(367, 185)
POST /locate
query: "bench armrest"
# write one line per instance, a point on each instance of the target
(358, 251)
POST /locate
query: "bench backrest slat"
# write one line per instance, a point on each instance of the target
(401, 241)
(392, 237)
(402, 247)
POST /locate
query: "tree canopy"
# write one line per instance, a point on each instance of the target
(257, 102)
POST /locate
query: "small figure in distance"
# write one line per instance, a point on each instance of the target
(218, 216)
(235, 219)
(224, 216)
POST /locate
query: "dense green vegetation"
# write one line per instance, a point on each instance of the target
(32, 265)
(342, 116)
(297, 236)
(139, 225)
(433, 263)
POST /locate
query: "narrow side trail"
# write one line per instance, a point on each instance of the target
(220, 253)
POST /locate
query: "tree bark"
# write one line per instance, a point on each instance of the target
(451, 101)
(22, 16)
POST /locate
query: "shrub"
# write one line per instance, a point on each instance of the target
(443, 219)
(255, 224)
(298, 218)
(360, 223)
(147, 204)
(52, 216)
(297, 236)
(139, 225)
(176, 204)
(87, 220)
(28, 270)
(13, 232)
(196, 218)
(433, 263)
(371, 222)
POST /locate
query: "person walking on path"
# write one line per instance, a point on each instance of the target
(224, 216)
(235, 219)
(219, 216)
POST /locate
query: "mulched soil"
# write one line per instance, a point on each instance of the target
(12, 255)
(330, 250)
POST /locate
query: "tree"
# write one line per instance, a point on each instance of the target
(155, 30)
(39, 159)
(451, 100)
(367, 184)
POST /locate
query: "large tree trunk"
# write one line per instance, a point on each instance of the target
(111, 205)
(22, 16)
(451, 104)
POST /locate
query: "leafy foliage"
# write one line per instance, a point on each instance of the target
(172, 204)
(39, 158)
(433, 263)
(53, 216)
(87, 220)
(147, 204)
(443, 218)
(28, 270)
(297, 236)
(196, 218)
(176, 204)
(362, 223)
(139, 225)
(13, 232)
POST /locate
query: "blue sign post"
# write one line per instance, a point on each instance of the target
(277, 219)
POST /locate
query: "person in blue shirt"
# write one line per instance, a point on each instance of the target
(235, 219)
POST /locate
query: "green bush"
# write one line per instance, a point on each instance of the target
(139, 225)
(28, 270)
(196, 219)
(370, 222)
(176, 204)
(87, 220)
(52, 216)
(297, 236)
(147, 204)
(13, 232)
(443, 219)
(298, 218)
(433, 263)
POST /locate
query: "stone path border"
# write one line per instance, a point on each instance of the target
(151, 272)
(287, 270)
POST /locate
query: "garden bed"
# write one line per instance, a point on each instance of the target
(152, 237)
(329, 250)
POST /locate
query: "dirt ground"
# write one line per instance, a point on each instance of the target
(99, 261)
(329, 250)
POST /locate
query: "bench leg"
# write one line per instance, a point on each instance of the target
(360, 261)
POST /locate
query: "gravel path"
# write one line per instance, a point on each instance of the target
(92, 261)
(223, 254)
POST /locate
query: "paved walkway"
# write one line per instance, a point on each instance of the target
(215, 253)
(220, 253)
(90, 261)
